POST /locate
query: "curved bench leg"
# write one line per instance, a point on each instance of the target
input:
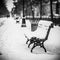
(33, 47)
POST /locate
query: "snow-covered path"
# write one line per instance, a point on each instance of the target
(13, 42)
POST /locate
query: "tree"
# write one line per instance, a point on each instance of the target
(3, 9)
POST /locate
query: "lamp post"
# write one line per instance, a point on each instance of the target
(51, 10)
(32, 9)
(57, 7)
(41, 9)
(23, 19)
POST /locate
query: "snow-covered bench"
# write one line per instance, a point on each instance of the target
(40, 35)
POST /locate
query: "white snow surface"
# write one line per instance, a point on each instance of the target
(13, 42)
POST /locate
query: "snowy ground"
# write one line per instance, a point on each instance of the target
(13, 42)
